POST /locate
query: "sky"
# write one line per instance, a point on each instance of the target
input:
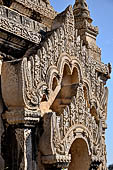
(101, 12)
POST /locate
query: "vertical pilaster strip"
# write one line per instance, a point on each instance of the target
(28, 149)
(24, 139)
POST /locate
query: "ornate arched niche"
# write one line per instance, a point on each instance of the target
(69, 84)
(80, 158)
(61, 131)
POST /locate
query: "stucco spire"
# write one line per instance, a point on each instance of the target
(81, 10)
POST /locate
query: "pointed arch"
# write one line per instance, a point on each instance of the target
(80, 158)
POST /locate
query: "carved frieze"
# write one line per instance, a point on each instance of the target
(20, 25)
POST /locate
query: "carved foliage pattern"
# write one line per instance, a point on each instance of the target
(62, 40)
(35, 67)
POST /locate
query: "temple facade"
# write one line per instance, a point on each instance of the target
(53, 94)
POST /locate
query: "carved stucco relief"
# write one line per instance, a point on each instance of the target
(66, 87)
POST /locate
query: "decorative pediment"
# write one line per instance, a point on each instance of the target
(42, 74)
(75, 122)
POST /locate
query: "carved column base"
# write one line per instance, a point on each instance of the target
(56, 162)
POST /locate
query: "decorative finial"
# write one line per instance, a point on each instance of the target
(81, 10)
(81, 4)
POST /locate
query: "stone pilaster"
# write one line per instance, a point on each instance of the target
(20, 138)
(24, 140)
